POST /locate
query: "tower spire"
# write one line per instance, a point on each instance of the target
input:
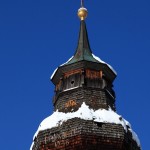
(83, 51)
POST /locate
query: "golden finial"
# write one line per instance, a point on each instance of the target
(82, 12)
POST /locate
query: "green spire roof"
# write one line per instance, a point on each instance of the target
(83, 51)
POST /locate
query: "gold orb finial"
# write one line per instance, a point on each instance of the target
(82, 13)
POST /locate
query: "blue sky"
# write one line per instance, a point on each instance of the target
(37, 36)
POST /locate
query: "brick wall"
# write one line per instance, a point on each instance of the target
(78, 134)
(94, 98)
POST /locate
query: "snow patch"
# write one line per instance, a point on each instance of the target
(96, 57)
(134, 136)
(82, 8)
(71, 88)
(53, 73)
(101, 61)
(67, 61)
(60, 65)
(84, 112)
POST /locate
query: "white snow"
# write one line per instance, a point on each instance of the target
(71, 88)
(31, 145)
(67, 61)
(84, 112)
(101, 61)
(82, 8)
(53, 73)
(110, 94)
(60, 65)
(96, 57)
(135, 137)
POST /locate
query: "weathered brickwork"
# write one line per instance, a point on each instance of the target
(94, 98)
(78, 134)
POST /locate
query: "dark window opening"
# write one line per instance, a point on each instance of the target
(72, 82)
(99, 124)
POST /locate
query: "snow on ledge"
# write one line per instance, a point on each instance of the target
(82, 8)
(60, 65)
(71, 88)
(101, 61)
(53, 73)
(96, 57)
(67, 61)
(101, 115)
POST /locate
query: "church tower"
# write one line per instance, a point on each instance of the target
(84, 115)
